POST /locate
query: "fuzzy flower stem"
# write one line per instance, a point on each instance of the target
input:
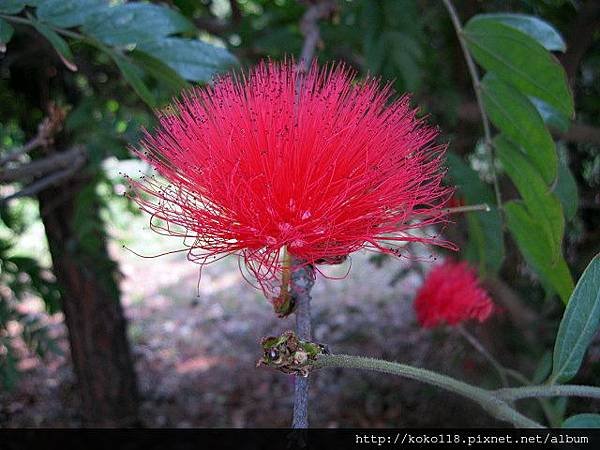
(477, 87)
(490, 402)
(302, 283)
(563, 390)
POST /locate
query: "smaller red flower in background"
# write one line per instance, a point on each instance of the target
(450, 295)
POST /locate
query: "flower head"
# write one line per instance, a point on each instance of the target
(450, 295)
(319, 164)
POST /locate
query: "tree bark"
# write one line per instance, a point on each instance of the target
(84, 272)
(93, 314)
(302, 282)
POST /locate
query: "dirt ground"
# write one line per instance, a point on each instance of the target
(196, 345)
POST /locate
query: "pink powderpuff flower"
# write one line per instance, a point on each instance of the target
(450, 295)
(312, 165)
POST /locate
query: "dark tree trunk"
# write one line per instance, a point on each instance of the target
(90, 296)
(90, 301)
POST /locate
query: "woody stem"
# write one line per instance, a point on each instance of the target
(302, 283)
(303, 274)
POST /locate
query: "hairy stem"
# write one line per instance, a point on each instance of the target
(302, 283)
(558, 390)
(477, 88)
(488, 401)
(553, 419)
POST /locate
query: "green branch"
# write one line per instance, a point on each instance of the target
(557, 390)
(290, 354)
(488, 401)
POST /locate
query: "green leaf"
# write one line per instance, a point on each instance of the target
(133, 75)
(566, 191)
(467, 181)
(407, 55)
(543, 368)
(537, 252)
(582, 421)
(559, 405)
(194, 60)
(69, 13)
(551, 116)
(6, 218)
(578, 326)
(513, 114)
(519, 59)
(541, 31)
(134, 23)
(374, 51)
(6, 32)
(542, 205)
(486, 241)
(59, 44)
(160, 71)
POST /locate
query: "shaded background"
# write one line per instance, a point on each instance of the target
(187, 354)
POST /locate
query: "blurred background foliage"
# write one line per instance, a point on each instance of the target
(79, 79)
